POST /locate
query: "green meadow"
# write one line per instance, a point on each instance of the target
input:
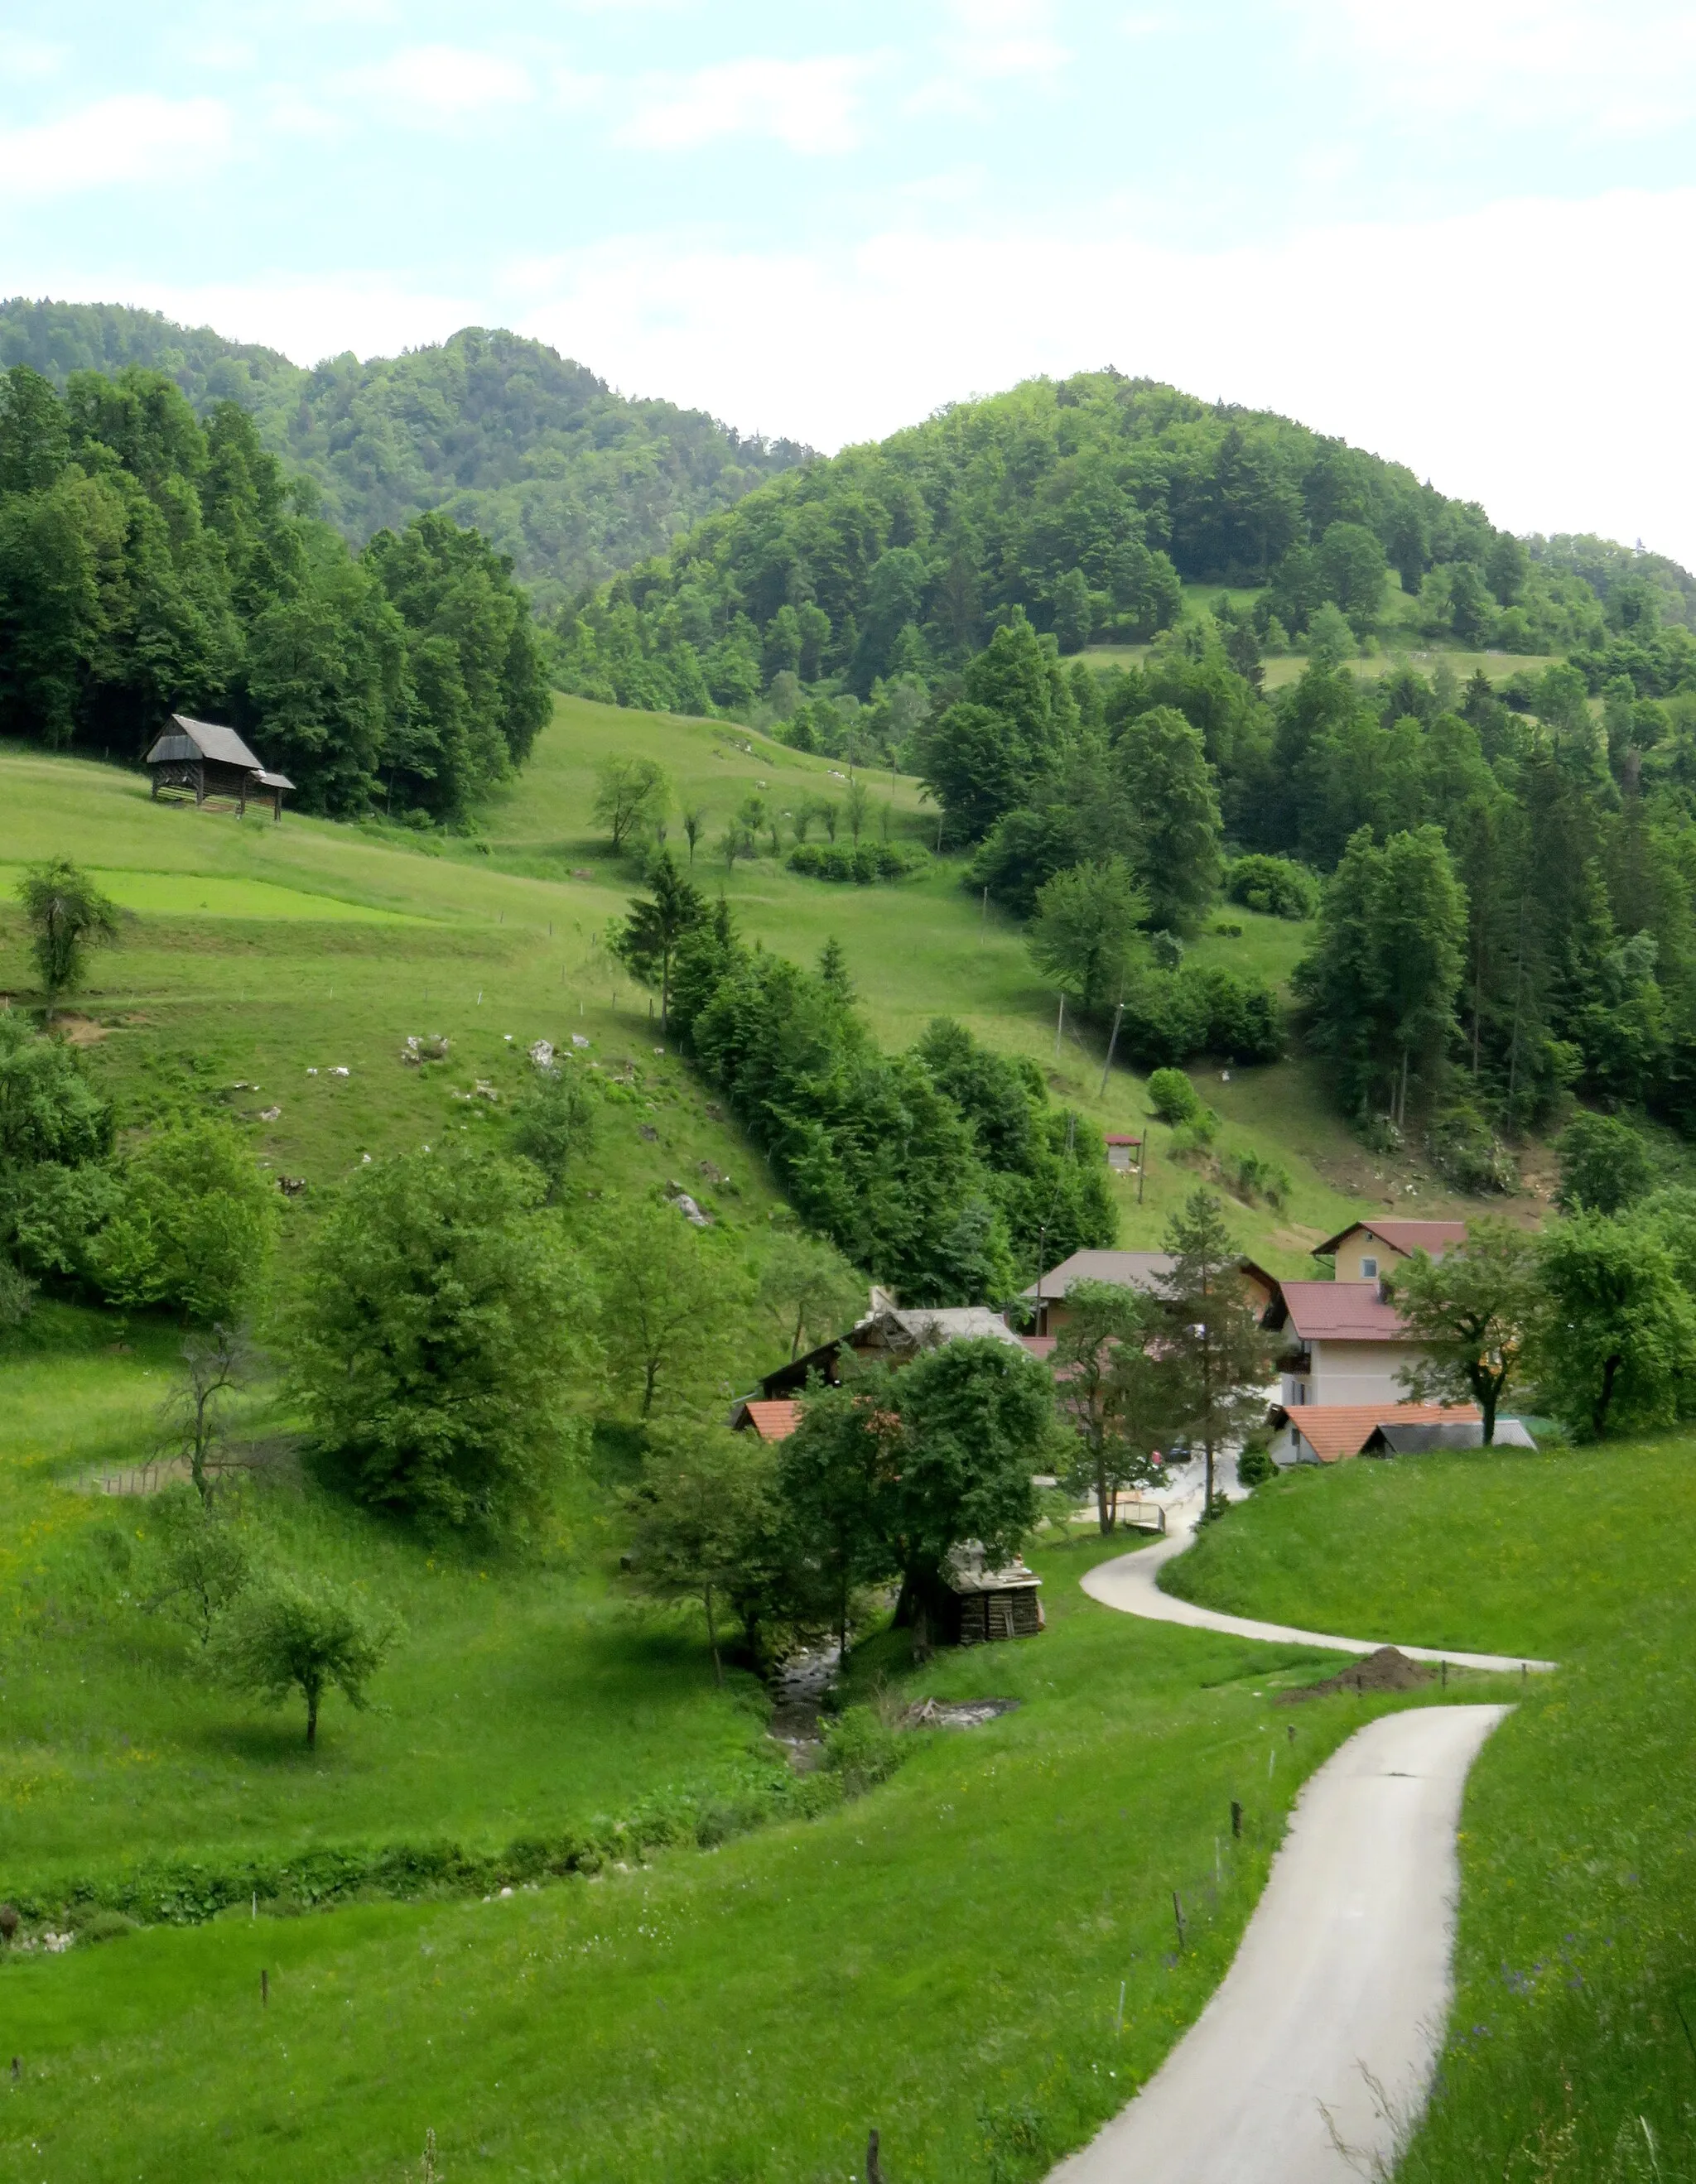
(979, 1955)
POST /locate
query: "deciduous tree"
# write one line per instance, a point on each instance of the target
(310, 1638)
(1220, 1356)
(1472, 1313)
(67, 916)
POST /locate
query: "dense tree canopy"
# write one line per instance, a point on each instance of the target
(149, 564)
(497, 432)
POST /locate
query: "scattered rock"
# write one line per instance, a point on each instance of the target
(339, 1073)
(714, 1114)
(955, 1713)
(711, 1172)
(271, 1114)
(577, 1040)
(541, 1053)
(312, 1073)
(581, 872)
(291, 1186)
(649, 1132)
(482, 1089)
(1388, 1669)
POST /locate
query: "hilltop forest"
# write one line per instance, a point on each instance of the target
(149, 564)
(495, 432)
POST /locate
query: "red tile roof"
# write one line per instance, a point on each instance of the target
(1342, 1312)
(773, 1421)
(1114, 1138)
(1405, 1236)
(1335, 1430)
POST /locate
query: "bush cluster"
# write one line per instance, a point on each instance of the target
(1276, 887)
(862, 862)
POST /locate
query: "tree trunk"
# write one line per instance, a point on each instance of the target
(311, 1721)
(712, 1637)
(1105, 1511)
(1488, 1397)
(1598, 1416)
(650, 1374)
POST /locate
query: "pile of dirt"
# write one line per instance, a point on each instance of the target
(1388, 1669)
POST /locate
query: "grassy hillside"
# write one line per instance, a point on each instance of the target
(979, 1958)
(318, 971)
(572, 479)
(1569, 2054)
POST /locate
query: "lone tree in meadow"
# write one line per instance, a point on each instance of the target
(1084, 938)
(1472, 1312)
(440, 1321)
(1220, 1356)
(196, 1225)
(657, 927)
(217, 1367)
(632, 796)
(664, 1291)
(310, 1640)
(553, 1124)
(67, 916)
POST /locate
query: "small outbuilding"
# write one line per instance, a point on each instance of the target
(208, 763)
(1394, 1437)
(992, 1604)
(1124, 1155)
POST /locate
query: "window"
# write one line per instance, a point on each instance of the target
(1368, 1270)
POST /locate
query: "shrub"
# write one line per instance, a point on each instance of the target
(1255, 1468)
(863, 865)
(1190, 1139)
(1469, 1152)
(1604, 1164)
(858, 1748)
(195, 1226)
(1251, 1175)
(1172, 1096)
(1172, 1016)
(1276, 887)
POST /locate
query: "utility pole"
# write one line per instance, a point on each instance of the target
(1113, 1042)
(1059, 1026)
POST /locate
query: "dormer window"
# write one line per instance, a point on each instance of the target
(1368, 1270)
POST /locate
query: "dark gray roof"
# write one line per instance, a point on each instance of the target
(1133, 1270)
(222, 745)
(274, 781)
(1463, 1433)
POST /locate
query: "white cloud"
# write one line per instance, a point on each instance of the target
(850, 347)
(809, 105)
(436, 83)
(135, 137)
(371, 313)
(1608, 69)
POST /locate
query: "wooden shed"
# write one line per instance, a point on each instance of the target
(209, 763)
(1124, 1154)
(992, 1604)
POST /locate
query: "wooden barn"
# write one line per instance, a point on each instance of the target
(993, 1604)
(208, 763)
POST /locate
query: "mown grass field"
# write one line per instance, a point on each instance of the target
(1570, 2054)
(942, 1957)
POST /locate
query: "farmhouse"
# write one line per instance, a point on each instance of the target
(1045, 1298)
(887, 1333)
(1367, 1249)
(1343, 1343)
(209, 763)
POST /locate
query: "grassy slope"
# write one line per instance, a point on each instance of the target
(524, 1695)
(942, 1959)
(1578, 1848)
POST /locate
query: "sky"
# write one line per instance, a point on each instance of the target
(1456, 234)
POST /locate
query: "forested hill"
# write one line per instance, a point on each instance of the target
(1083, 501)
(570, 480)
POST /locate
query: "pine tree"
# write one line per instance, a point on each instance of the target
(1219, 1356)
